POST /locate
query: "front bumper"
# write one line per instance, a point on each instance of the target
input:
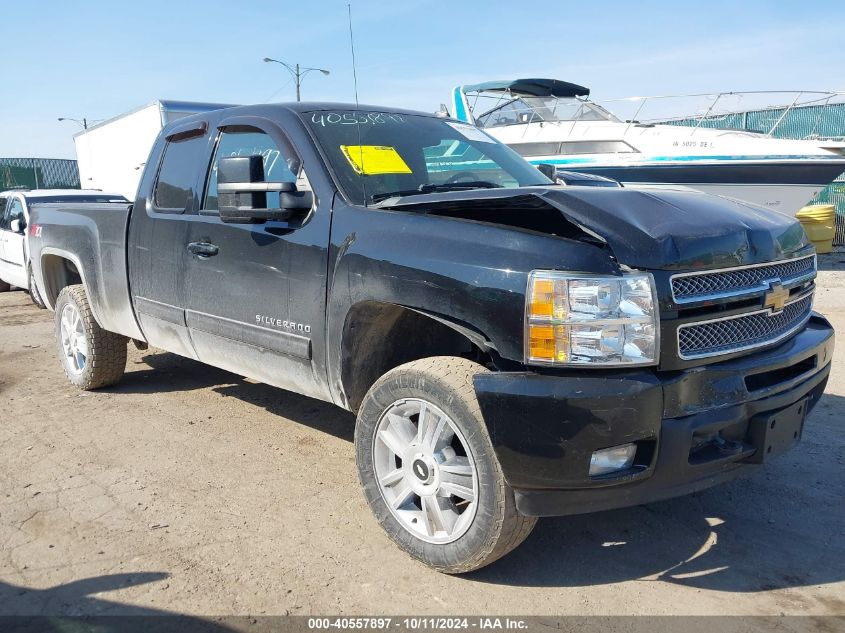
(693, 428)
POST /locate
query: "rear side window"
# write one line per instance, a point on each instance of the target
(174, 190)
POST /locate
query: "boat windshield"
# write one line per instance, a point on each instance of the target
(526, 109)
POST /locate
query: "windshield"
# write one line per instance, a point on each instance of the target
(375, 155)
(540, 109)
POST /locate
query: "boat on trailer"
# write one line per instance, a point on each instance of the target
(549, 121)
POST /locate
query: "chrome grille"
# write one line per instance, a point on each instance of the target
(689, 287)
(742, 332)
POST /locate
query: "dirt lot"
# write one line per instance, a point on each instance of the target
(190, 490)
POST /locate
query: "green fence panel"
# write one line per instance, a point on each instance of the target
(38, 173)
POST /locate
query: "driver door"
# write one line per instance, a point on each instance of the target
(256, 292)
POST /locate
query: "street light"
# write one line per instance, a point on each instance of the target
(297, 72)
(83, 122)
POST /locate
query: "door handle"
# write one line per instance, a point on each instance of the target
(203, 250)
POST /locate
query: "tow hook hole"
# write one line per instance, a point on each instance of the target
(770, 450)
(795, 435)
(773, 423)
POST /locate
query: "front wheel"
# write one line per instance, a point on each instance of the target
(429, 471)
(91, 356)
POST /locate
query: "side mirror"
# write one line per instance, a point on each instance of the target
(242, 192)
(549, 171)
(17, 226)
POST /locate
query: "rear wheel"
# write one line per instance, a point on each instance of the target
(429, 471)
(91, 356)
(33, 291)
(4, 287)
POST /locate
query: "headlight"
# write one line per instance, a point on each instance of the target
(591, 320)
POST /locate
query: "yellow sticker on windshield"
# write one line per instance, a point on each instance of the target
(372, 160)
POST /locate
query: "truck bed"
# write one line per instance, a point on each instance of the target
(91, 243)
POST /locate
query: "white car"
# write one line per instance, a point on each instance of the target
(15, 269)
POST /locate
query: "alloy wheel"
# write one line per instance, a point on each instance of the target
(425, 471)
(74, 342)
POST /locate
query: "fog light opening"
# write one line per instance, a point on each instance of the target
(611, 460)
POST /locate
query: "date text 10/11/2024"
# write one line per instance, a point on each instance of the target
(420, 623)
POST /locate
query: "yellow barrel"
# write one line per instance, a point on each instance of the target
(818, 221)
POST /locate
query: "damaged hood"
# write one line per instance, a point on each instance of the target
(655, 229)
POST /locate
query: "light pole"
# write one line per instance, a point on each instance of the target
(83, 122)
(297, 72)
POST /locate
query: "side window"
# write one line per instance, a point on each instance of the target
(250, 141)
(3, 222)
(177, 175)
(15, 212)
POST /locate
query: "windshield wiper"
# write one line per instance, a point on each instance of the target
(431, 187)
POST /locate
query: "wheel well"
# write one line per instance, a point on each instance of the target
(380, 336)
(57, 272)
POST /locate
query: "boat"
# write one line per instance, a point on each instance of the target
(554, 122)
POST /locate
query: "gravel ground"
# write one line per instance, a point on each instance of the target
(191, 490)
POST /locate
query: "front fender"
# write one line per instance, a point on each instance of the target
(465, 273)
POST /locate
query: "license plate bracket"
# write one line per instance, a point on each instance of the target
(776, 432)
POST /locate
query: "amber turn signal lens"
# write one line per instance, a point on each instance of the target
(542, 298)
(541, 345)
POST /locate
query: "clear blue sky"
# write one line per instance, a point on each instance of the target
(100, 58)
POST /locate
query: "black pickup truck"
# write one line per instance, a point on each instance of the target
(512, 348)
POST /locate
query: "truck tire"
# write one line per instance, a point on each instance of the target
(91, 356)
(437, 489)
(4, 287)
(33, 291)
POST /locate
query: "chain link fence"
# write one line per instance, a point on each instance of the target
(38, 173)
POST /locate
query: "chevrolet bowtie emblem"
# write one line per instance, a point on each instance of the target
(775, 299)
